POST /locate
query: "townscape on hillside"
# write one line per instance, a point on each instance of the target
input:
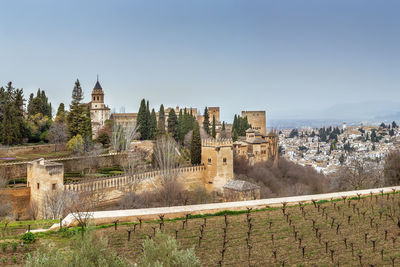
(328, 148)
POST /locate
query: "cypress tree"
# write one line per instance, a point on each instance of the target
(235, 124)
(87, 128)
(12, 130)
(181, 127)
(60, 115)
(30, 107)
(161, 120)
(153, 124)
(213, 131)
(2, 105)
(206, 122)
(143, 121)
(173, 124)
(234, 135)
(223, 126)
(195, 145)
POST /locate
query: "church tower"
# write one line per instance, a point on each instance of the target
(99, 112)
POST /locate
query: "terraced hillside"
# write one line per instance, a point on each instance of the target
(341, 232)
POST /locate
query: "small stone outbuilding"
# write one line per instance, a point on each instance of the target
(239, 190)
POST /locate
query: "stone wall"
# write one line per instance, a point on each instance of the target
(19, 150)
(71, 164)
(19, 198)
(113, 188)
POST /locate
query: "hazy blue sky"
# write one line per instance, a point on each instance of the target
(281, 56)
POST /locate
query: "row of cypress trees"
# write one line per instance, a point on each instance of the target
(239, 126)
(178, 126)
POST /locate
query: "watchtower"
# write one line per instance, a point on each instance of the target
(217, 157)
(44, 178)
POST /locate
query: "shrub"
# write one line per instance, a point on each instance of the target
(28, 238)
(87, 251)
(4, 260)
(163, 250)
(4, 246)
(75, 144)
(15, 259)
(14, 246)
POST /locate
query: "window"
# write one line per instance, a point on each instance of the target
(94, 98)
(209, 161)
(38, 185)
(224, 161)
(54, 186)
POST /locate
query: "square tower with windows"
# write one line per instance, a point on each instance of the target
(217, 157)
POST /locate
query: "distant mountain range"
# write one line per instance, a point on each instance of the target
(371, 112)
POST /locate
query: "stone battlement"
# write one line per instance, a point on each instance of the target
(216, 142)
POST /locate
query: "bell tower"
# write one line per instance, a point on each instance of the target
(99, 112)
(97, 96)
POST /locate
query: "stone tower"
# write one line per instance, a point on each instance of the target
(99, 112)
(44, 178)
(257, 119)
(217, 157)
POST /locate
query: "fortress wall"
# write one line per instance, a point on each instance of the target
(114, 187)
(20, 199)
(15, 170)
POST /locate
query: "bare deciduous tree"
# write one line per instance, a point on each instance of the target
(81, 206)
(122, 136)
(56, 204)
(33, 210)
(358, 174)
(392, 168)
(58, 134)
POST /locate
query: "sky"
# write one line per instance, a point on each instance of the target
(285, 57)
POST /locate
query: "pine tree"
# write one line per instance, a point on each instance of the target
(77, 116)
(213, 131)
(161, 120)
(153, 124)
(195, 145)
(143, 121)
(206, 122)
(173, 124)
